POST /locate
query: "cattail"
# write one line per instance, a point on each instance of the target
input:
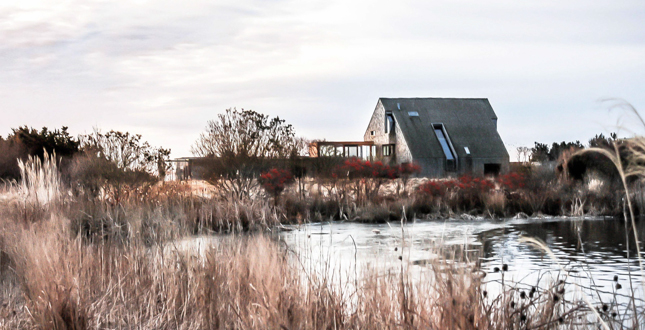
(523, 295)
(496, 269)
(504, 267)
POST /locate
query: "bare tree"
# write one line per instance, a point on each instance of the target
(246, 134)
(240, 144)
(126, 151)
(523, 154)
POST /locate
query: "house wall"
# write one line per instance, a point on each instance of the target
(377, 124)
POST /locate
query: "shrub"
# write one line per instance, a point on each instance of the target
(511, 181)
(10, 152)
(367, 177)
(275, 181)
(406, 170)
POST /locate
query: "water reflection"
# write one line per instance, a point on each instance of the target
(591, 253)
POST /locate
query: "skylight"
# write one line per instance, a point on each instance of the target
(413, 114)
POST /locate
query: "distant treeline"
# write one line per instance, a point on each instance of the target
(86, 162)
(542, 152)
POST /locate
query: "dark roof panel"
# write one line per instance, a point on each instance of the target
(469, 123)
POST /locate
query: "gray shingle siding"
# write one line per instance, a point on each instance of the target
(468, 122)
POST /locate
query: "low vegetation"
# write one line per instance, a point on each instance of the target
(97, 240)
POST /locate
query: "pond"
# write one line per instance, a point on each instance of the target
(592, 252)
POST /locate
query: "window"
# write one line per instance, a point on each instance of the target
(467, 150)
(389, 123)
(444, 141)
(351, 151)
(388, 149)
(413, 113)
(492, 169)
(372, 133)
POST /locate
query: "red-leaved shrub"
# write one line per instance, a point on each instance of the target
(275, 181)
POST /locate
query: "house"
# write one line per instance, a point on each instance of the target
(445, 136)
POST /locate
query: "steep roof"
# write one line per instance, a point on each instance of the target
(468, 122)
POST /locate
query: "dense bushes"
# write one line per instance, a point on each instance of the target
(25, 141)
(538, 191)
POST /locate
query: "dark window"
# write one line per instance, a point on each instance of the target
(492, 169)
(389, 123)
(388, 149)
(372, 133)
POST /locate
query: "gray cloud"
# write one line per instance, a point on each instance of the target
(164, 68)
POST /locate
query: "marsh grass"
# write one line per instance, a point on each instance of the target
(57, 277)
(84, 262)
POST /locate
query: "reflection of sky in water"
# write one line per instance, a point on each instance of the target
(334, 248)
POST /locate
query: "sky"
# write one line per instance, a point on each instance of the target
(162, 69)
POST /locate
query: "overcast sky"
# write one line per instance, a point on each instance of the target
(163, 68)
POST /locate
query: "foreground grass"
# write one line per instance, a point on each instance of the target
(54, 280)
(72, 262)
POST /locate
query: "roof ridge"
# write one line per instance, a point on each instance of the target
(433, 98)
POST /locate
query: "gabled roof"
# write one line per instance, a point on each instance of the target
(469, 123)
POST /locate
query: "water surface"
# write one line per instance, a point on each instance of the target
(590, 252)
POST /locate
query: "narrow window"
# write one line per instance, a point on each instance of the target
(467, 150)
(444, 140)
(372, 133)
(389, 123)
(444, 143)
(387, 150)
(413, 113)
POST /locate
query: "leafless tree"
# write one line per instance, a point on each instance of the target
(126, 151)
(240, 144)
(246, 134)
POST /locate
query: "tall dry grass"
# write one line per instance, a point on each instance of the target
(54, 277)
(243, 282)
(83, 263)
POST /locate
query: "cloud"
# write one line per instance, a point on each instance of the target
(163, 68)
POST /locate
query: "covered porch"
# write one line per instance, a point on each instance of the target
(365, 150)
